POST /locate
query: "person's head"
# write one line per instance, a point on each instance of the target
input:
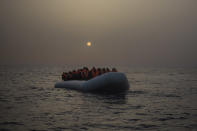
(85, 68)
(114, 70)
(107, 70)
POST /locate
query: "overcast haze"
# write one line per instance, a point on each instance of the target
(122, 32)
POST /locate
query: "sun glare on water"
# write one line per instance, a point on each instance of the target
(88, 44)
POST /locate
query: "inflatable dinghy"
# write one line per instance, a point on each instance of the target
(110, 82)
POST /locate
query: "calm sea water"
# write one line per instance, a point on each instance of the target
(158, 99)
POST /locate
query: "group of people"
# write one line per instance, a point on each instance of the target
(85, 73)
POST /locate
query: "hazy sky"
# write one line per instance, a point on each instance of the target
(122, 32)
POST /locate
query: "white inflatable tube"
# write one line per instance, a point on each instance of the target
(112, 81)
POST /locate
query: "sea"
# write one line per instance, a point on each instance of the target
(159, 99)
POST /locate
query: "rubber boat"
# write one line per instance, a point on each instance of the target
(110, 82)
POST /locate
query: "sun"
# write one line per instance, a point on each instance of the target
(89, 44)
